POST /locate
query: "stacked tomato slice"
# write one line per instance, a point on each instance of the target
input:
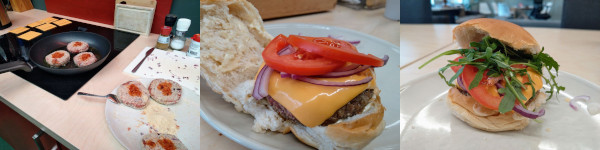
(314, 55)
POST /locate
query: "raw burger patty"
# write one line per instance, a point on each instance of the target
(133, 94)
(77, 47)
(158, 141)
(58, 58)
(165, 91)
(84, 59)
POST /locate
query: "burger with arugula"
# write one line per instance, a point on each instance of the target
(498, 81)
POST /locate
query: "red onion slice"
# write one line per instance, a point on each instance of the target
(344, 73)
(529, 114)
(499, 86)
(576, 99)
(385, 59)
(355, 42)
(346, 68)
(285, 75)
(262, 82)
(460, 83)
(286, 50)
(328, 83)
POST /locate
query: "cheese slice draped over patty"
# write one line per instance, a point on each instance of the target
(313, 104)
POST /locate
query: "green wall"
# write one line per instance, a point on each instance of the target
(182, 8)
(39, 4)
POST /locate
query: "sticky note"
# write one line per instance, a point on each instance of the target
(46, 27)
(19, 30)
(48, 20)
(29, 35)
(35, 24)
(62, 22)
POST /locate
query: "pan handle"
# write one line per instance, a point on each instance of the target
(15, 65)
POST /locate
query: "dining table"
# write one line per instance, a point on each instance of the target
(370, 22)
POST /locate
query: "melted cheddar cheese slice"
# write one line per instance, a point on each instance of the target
(313, 104)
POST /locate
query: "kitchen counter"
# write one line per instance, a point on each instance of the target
(79, 122)
(370, 22)
(575, 50)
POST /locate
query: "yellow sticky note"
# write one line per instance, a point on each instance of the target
(62, 22)
(35, 24)
(19, 30)
(46, 27)
(29, 35)
(48, 20)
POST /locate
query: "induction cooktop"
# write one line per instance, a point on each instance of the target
(63, 86)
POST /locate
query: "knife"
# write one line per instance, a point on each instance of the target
(140, 64)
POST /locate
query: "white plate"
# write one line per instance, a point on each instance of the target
(237, 126)
(425, 118)
(126, 125)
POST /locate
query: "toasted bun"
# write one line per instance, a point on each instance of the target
(233, 38)
(463, 106)
(508, 33)
(350, 133)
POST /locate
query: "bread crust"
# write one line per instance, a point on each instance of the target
(232, 37)
(508, 33)
(462, 107)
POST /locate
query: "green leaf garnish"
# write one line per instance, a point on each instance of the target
(507, 103)
(498, 59)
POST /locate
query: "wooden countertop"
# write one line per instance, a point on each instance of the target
(371, 22)
(575, 50)
(78, 122)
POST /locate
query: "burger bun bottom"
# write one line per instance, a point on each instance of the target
(462, 106)
(351, 133)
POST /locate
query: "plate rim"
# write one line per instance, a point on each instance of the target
(253, 144)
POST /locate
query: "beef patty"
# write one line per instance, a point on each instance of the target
(353, 107)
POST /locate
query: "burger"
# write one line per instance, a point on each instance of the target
(322, 89)
(498, 80)
(325, 88)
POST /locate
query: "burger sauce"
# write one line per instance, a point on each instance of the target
(134, 90)
(165, 88)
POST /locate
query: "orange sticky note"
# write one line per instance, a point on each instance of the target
(48, 20)
(62, 22)
(19, 30)
(46, 27)
(29, 35)
(35, 24)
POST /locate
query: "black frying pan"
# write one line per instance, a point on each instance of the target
(37, 53)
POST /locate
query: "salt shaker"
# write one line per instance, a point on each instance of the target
(179, 39)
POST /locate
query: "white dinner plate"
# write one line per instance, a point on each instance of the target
(237, 126)
(427, 123)
(128, 125)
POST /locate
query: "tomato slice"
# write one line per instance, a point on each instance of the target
(487, 95)
(334, 49)
(455, 68)
(292, 63)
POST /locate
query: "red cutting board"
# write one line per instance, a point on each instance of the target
(103, 11)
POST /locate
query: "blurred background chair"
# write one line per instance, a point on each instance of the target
(581, 14)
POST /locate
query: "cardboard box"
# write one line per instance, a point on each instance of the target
(281, 8)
